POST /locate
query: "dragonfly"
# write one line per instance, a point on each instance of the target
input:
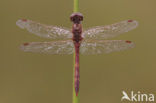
(76, 40)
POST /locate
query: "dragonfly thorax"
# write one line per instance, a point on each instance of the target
(76, 18)
(77, 31)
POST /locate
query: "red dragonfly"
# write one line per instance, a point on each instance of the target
(90, 41)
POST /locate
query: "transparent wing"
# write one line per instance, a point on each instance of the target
(43, 30)
(104, 46)
(109, 31)
(58, 47)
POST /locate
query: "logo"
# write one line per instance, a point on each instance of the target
(137, 96)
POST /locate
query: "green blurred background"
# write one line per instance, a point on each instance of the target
(42, 78)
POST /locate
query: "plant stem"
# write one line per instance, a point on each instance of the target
(76, 99)
(76, 5)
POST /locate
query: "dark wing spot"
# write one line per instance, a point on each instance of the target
(130, 20)
(127, 41)
(26, 44)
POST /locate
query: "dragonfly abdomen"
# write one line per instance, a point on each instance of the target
(77, 74)
(77, 81)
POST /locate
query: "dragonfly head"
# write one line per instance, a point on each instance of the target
(76, 17)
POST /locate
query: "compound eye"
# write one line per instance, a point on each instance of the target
(81, 18)
(71, 18)
(76, 17)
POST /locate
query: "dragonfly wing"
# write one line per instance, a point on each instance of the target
(43, 30)
(58, 47)
(109, 31)
(104, 46)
